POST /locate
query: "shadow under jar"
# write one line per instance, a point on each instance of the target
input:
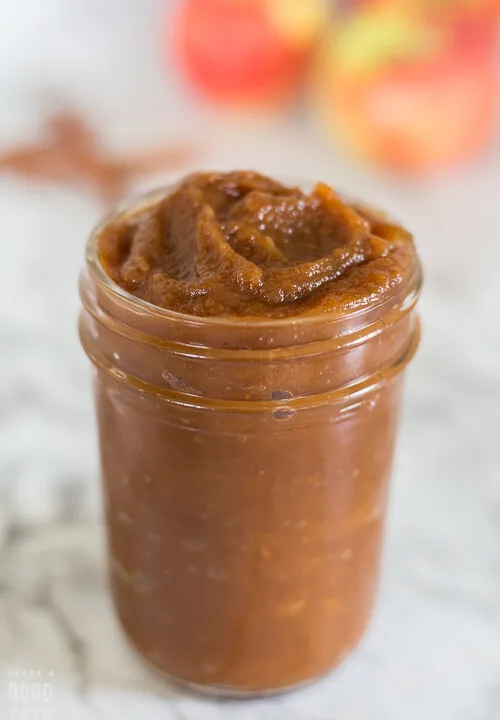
(245, 465)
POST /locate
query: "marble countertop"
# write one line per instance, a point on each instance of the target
(433, 650)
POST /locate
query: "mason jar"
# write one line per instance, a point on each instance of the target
(245, 469)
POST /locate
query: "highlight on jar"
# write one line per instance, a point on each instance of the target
(249, 342)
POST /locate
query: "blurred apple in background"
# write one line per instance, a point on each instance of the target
(246, 52)
(410, 85)
(454, 7)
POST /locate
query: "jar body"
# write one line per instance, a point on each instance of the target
(245, 481)
(244, 550)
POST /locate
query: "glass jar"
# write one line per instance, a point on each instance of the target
(245, 467)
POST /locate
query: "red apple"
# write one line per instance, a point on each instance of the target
(246, 51)
(410, 96)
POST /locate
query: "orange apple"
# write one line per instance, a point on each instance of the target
(246, 51)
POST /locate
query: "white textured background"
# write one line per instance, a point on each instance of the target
(434, 648)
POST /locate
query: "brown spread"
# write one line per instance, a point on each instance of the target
(246, 444)
(243, 244)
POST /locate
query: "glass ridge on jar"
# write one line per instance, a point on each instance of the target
(245, 469)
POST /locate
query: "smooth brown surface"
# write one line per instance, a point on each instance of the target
(245, 466)
(242, 244)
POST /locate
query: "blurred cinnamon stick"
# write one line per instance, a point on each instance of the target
(69, 152)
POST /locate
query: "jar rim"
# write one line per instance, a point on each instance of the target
(346, 394)
(413, 283)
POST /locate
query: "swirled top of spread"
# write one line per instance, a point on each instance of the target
(241, 244)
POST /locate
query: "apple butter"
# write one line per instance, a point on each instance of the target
(249, 341)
